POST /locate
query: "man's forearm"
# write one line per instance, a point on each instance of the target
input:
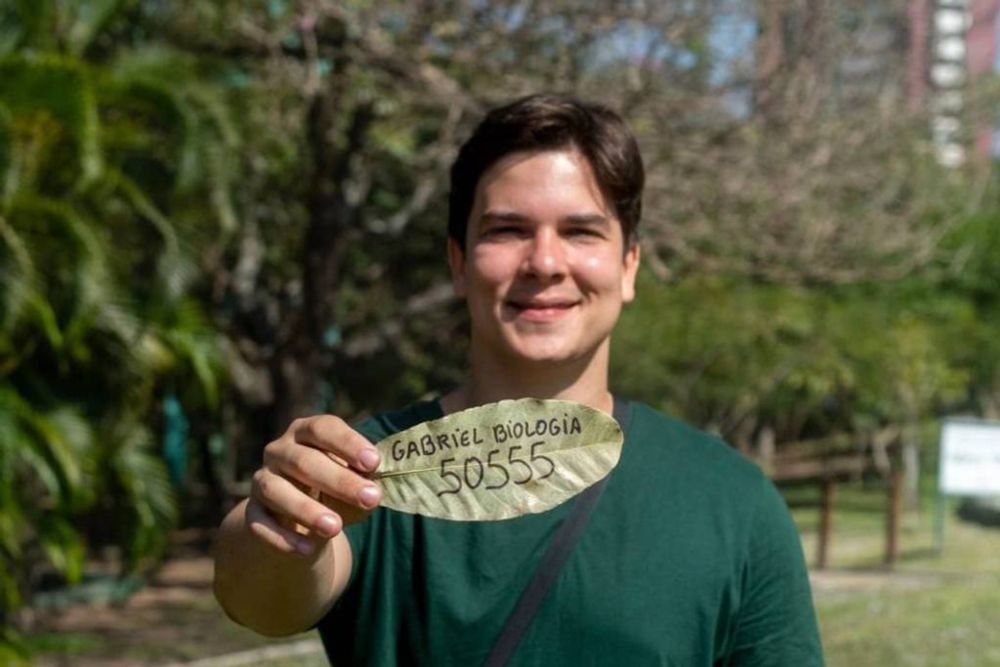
(271, 592)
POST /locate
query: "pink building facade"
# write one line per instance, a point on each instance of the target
(980, 59)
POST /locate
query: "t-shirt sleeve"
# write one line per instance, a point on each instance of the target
(776, 624)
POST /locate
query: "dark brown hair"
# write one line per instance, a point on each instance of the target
(552, 122)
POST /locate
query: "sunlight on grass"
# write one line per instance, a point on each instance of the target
(949, 623)
(62, 643)
(931, 610)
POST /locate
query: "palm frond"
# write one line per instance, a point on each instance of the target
(197, 345)
(219, 182)
(118, 317)
(52, 451)
(212, 100)
(44, 315)
(154, 63)
(175, 270)
(46, 86)
(12, 523)
(87, 22)
(149, 115)
(217, 149)
(11, 30)
(80, 441)
(42, 454)
(29, 22)
(149, 496)
(62, 544)
(155, 79)
(71, 241)
(17, 276)
(97, 162)
(6, 150)
(35, 468)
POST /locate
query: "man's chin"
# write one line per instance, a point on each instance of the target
(531, 354)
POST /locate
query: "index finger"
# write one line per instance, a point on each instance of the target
(332, 434)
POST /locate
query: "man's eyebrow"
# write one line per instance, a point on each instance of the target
(594, 219)
(585, 219)
(503, 216)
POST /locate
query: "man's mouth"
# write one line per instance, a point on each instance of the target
(541, 309)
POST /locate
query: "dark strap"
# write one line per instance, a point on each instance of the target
(552, 562)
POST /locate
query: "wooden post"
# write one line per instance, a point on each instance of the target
(825, 522)
(893, 504)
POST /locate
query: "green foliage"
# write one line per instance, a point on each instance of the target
(933, 609)
(96, 319)
(13, 650)
(740, 356)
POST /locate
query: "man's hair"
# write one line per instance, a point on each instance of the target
(552, 122)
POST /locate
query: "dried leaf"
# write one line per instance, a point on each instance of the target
(498, 461)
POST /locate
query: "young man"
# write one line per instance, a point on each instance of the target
(689, 557)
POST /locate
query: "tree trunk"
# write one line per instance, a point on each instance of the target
(306, 360)
(911, 467)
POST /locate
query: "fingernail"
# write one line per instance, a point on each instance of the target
(304, 546)
(369, 496)
(328, 525)
(368, 458)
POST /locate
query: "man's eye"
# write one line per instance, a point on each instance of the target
(584, 232)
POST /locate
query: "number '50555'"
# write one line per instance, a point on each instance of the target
(501, 472)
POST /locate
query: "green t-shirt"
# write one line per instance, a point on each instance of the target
(690, 558)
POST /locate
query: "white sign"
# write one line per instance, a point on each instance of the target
(970, 458)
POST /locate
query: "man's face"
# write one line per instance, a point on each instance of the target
(545, 270)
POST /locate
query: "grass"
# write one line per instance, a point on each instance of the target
(62, 643)
(933, 609)
(944, 624)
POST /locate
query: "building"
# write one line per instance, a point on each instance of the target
(957, 47)
(924, 53)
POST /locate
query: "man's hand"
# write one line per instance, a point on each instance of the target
(315, 480)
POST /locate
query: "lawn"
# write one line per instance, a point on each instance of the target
(931, 610)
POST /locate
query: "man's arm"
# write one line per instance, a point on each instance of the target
(281, 558)
(270, 591)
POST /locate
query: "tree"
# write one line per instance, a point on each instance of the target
(354, 112)
(98, 145)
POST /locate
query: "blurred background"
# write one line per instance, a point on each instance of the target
(218, 215)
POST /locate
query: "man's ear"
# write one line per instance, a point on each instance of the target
(456, 261)
(629, 270)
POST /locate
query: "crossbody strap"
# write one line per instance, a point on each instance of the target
(552, 562)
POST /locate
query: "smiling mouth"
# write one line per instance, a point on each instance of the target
(540, 310)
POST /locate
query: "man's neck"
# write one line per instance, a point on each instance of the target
(492, 379)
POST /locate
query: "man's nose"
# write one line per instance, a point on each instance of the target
(546, 258)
